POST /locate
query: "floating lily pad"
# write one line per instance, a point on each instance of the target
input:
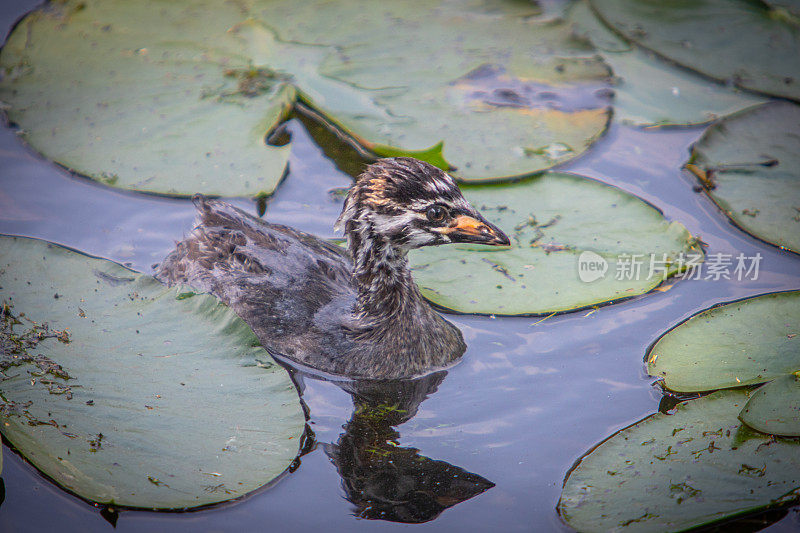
(651, 91)
(553, 223)
(680, 471)
(126, 392)
(176, 98)
(747, 44)
(139, 96)
(741, 343)
(775, 407)
(749, 163)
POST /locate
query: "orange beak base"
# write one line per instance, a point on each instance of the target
(476, 230)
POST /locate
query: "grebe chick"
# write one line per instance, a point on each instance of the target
(354, 312)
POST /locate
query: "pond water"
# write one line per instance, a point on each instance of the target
(529, 397)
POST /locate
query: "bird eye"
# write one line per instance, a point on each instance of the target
(437, 213)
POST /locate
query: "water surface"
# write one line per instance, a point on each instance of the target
(527, 400)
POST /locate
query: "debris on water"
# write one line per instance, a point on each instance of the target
(752, 471)
(96, 443)
(252, 82)
(15, 348)
(706, 177)
(338, 193)
(500, 269)
(682, 491)
(531, 221)
(157, 482)
(218, 488)
(550, 247)
(542, 320)
(643, 518)
(538, 228)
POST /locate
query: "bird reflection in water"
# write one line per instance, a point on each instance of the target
(386, 481)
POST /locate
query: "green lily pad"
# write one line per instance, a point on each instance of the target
(650, 91)
(744, 43)
(680, 471)
(741, 343)
(141, 97)
(552, 221)
(775, 407)
(126, 392)
(176, 98)
(749, 164)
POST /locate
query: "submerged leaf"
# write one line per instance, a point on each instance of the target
(741, 42)
(775, 407)
(178, 97)
(749, 164)
(126, 392)
(681, 471)
(558, 261)
(741, 343)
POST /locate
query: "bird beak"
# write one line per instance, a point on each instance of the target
(475, 230)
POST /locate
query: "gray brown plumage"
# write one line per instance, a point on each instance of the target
(354, 312)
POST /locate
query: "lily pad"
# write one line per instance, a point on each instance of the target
(747, 44)
(741, 343)
(126, 392)
(651, 91)
(552, 221)
(775, 407)
(749, 164)
(176, 98)
(680, 471)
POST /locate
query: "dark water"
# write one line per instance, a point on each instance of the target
(526, 401)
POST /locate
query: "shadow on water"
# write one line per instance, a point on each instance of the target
(383, 480)
(751, 523)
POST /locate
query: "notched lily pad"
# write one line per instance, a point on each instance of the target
(177, 98)
(129, 393)
(747, 44)
(552, 221)
(749, 164)
(649, 90)
(775, 407)
(681, 471)
(741, 343)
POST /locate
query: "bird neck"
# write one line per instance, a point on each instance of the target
(381, 275)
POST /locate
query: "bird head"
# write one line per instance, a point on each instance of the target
(411, 204)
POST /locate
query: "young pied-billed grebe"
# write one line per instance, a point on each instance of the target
(355, 312)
